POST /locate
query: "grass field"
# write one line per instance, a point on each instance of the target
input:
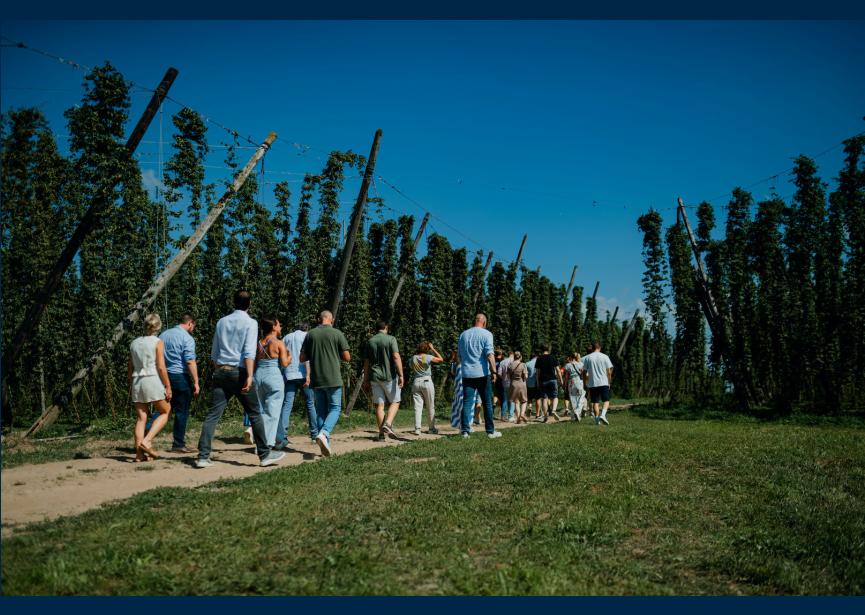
(645, 506)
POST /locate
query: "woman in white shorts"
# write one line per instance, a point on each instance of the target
(148, 384)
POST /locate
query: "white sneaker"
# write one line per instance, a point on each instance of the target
(416, 432)
(604, 419)
(512, 420)
(247, 436)
(466, 434)
(203, 463)
(556, 416)
(495, 434)
(324, 444)
(272, 458)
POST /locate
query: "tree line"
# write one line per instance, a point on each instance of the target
(789, 283)
(287, 254)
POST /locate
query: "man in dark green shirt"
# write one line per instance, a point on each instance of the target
(323, 347)
(382, 367)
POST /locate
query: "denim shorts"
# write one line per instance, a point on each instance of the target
(549, 389)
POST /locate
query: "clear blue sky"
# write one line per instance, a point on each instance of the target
(566, 131)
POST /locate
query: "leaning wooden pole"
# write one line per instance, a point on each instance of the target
(481, 285)
(355, 393)
(615, 313)
(85, 226)
(567, 294)
(594, 303)
(355, 223)
(742, 386)
(627, 334)
(520, 252)
(95, 362)
(402, 276)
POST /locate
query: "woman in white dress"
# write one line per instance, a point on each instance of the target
(148, 384)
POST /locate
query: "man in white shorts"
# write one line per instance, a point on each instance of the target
(382, 371)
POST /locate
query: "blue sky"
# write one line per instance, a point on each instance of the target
(566, 130)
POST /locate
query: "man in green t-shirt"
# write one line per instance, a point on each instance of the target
(323, 347)
(382, 368)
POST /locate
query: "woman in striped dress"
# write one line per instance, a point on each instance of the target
(457, 405)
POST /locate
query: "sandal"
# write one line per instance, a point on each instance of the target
(148, 450)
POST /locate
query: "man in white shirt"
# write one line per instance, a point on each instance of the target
(599, 373)
(233, 358)
(296, 379)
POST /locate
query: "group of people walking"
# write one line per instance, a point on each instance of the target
(265, 372)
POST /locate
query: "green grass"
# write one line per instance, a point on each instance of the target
(645, 506)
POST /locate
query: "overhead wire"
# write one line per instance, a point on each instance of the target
(300, 147)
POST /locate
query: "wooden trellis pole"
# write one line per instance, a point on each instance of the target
(627, 334)
(743, 387)
(594, 296)
(85, 226)
(355, 223)
(95, 362)
(402, 276)
(520, 252)
(567, 294)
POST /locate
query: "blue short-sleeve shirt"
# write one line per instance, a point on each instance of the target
(179, 349)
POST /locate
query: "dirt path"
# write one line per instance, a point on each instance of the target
(38, 492)
(50, 490)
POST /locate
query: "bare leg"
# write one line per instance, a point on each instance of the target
(164, 408)
(379, 416)
(138, 433)
(391, 412)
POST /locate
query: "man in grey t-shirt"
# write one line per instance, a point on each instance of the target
(599, 374)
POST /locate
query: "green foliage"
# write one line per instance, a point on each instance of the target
(654, 296)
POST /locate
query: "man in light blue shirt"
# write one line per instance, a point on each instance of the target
(233, 357)
(296, 377)
(477, 361)
(182, 370)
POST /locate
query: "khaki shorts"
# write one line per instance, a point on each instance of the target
(385, 392)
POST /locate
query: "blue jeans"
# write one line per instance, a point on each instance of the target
(484, 388)
(181, 395)
(269, 389)
(227, 384)
(328, 407)
(507, 407)
(291, 387)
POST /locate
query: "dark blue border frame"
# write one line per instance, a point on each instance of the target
(440, 9)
